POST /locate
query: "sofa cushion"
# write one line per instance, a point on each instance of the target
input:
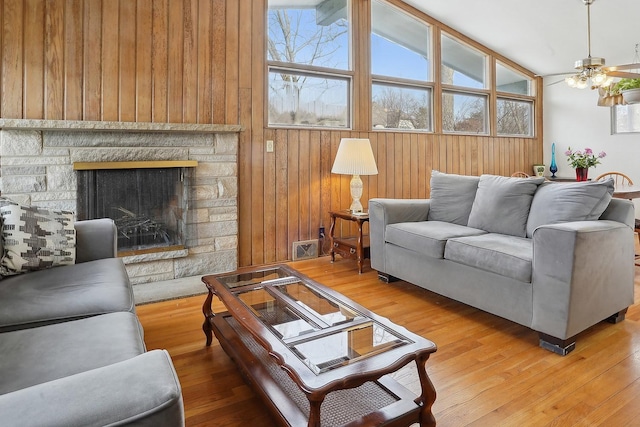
(35, 238)
(505, 255)
(502, 204)
(452, 197)
(426, 237)
(64, 293)
(37, 355)
(562, 202)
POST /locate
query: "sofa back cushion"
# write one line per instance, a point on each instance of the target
(556, 202)
(502, 204)
(452, 197)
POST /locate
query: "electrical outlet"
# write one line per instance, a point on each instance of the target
(321, 233)
(269, 146)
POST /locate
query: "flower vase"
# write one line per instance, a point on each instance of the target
(582, 174)
(553, 168)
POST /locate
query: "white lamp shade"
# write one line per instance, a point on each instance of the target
(355, 157)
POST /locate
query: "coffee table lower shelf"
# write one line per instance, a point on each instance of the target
(378, 403)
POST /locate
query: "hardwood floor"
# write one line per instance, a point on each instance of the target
(487, 371)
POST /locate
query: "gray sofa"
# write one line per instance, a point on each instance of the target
(555, 257)
(71, 347)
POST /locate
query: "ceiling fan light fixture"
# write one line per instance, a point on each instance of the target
(571, 81)
(598, 78)
(582, 83)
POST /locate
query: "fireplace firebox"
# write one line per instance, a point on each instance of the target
(148, 202)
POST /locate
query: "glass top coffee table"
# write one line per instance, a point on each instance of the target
(303, 345)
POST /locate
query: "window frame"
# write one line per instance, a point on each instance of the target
(614, 120)
(362, 80)
(312, 71)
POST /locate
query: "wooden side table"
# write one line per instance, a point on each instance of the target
(355, 247)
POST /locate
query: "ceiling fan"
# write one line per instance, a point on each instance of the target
(592, 69)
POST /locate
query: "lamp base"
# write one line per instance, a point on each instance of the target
(356, 193)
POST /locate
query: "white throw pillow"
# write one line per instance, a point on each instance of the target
(35, 238)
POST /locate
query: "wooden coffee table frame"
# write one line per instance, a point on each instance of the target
(408, 408)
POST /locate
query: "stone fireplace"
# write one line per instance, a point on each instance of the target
(37, 161)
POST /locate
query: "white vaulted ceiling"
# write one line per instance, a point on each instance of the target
(544, 36)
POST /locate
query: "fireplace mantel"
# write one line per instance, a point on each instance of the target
(81, 125)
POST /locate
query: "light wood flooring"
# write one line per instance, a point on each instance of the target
(487, 371)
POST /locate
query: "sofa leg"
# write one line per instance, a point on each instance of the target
(618, 317)
(387, 278)
(556, 345)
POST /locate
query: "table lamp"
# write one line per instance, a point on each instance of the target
(355, 157)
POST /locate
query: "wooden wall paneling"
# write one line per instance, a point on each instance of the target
(92, 60)
(218, 47)
(293, 190)
(176, 65)
(414, 177)
(204, 56)
(11, 59)
(159, 61)
(143, 61)
(73, 54)
(326, 162)
(444, 155)
(232, 62)
(110, 59)
(315, 183)
(281, 199)
(476, 157)
(381, 158)
(404, 165)
(54, 60)
(336, 179)
(372, 183)
(34, 53)
(127, 61)
(280, 196)
(424, 166)
(270, 200)
(191, 62)
(255, 73)
(246, 209)
(304, 182)
(389, 151)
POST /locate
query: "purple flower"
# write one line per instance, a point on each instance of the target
(602, 154)
(588, 151)
(568, 153)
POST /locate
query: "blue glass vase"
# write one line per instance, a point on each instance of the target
(553, 168)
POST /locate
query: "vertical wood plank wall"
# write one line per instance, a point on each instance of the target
(203, 61)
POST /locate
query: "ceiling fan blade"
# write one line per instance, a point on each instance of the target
(634, 66)
(556, 82)
(556, 74)
(623, 74)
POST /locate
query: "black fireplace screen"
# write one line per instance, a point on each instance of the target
(149, 206)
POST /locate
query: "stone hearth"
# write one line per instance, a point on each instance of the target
(36, 167)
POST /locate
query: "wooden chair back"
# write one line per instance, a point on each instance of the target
(618, 177)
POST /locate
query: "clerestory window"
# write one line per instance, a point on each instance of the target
(401, 70)
(514, 109)
(309, 63)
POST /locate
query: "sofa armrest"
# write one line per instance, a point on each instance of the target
(96, 239)
(383, 212)
(143, 391)
(620, 210)
(583, 272)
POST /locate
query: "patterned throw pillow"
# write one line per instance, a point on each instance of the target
(35, 238)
